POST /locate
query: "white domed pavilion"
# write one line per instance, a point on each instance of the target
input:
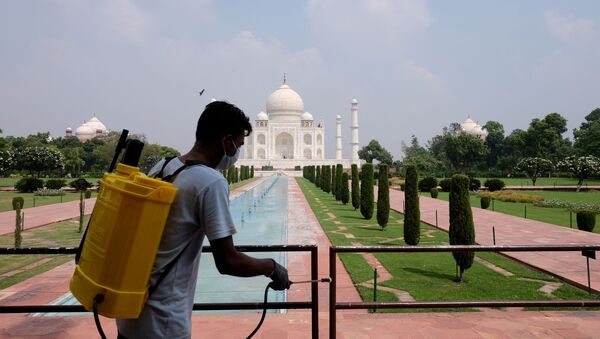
(472, 128)
(286, 135)
(88, 130)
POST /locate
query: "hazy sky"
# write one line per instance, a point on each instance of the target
(414, 66)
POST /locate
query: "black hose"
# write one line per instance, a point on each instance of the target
(264, 313)
(99, 298)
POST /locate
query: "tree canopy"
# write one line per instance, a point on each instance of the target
(374, 151)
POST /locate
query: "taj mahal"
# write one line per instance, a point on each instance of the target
(287, 136)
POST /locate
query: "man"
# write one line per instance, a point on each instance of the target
(201, 208)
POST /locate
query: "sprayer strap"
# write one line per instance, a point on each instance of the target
(167, 269)
(170, 178)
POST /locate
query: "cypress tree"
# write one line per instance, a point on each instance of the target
(339, 170)
(318, 176)
(326, 179)
(345, 190)
(366, 191)
(462, 231)
(333, 181)
(355, 187)
(383, 197)
(230, 174)
(412, 214)
(236, 174)
(252, 171)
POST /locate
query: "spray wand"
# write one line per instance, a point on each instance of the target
(264, 313)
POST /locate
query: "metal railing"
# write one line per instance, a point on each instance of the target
(334, 305)
(313, 304)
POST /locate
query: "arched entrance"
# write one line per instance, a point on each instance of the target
(284, 146)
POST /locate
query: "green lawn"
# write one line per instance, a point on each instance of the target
(544, 181)
(426, 276)
(31, 200)
(16, 268)
(556, 216)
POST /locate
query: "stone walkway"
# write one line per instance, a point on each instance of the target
(44, 215)
(304, 229)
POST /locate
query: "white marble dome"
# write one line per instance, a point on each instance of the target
(262, 116)
(306, 116)
(285, 105)
(90, 129)
(472, 128)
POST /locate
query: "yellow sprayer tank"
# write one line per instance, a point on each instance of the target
(123, 237)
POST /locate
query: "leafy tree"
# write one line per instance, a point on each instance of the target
(355, 187)
(419, 156)
(80, 184)
(345, 189)
(494, 141)
(374, 151)
(462, 231)
(3, 143)
(412, 213)
(544, 138)
(512, 150)
(7, 162)
(73, 159)
(465, 152)
(39, 159)
(534, 167)
(587, 136)
(366, 191)
(383, 197)
(581, 167)
(339, 170)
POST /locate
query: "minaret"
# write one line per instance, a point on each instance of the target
(338, 137)
(354, 131)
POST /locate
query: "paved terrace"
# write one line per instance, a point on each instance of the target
(303, 229)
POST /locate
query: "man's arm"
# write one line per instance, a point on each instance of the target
(229, 261)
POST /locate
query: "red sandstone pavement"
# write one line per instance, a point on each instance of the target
(511, 230)
(44, 215)
(303, 229)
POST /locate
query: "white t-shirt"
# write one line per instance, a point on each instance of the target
(200, 208)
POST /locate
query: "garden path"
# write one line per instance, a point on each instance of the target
(44, 215)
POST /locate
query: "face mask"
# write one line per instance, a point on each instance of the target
(228, 160)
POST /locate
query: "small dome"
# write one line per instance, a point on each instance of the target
(338, 117)
(262, 116)
(354, 101)
(306, 116)
(285, 104)
(69, 129)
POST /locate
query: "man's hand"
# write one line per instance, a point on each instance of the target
(280, 278)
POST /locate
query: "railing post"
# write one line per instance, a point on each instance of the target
(374, 288)
(494, 234)
(314, 290)
(436, 219)
(332, 289)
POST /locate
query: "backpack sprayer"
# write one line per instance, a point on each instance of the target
(118, 249)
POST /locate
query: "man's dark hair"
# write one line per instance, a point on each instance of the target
(220, 119)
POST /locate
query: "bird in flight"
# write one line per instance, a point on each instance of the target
(201, 92)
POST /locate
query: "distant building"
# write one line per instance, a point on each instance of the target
(287, 136)
(88, 130)
(472, 128)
